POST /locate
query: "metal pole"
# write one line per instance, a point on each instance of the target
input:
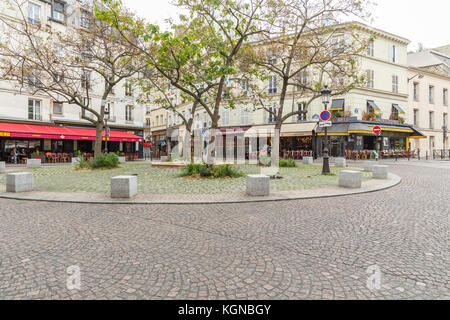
(106, 136)
(426, 155)
(326, 158)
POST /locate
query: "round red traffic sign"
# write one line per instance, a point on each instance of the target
(325, 116)
(376, 129)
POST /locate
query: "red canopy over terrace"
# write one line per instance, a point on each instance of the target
(15, 130)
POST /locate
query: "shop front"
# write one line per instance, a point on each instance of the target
(59, 143)
(355, 139)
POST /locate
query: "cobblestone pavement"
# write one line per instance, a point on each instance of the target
(308, 249)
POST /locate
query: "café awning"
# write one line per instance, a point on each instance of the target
(363, 128)
(397, 107)
(337, 105)
(19, 130)
(373, 105)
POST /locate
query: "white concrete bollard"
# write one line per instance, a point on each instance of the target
(75, 161)
(34, 163)
(340, 162)
(350, 179)
(257, 185)
(380, 172)
(368, 165)
(2, 166)
(308, 160)
(19, 182)
(123, 186)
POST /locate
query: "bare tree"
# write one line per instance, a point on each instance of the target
(200, 55)
(71, 64)
(304, 49)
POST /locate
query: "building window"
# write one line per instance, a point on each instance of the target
(109, 110)
(272, 114)
(244, 85)
(370, 48)
(85, 19)
(301, 107)
(394, 112)
(128, 113)
(272, 59)
(370, 78)
(58, 11)
(444, 120)
(393, 53)
(302, 80)
(416, 117)
(128, 89)
(273, 85)
(416, 91)
(107, 83)
(148, 109)
(148, 123)
(57, 108)
(395, 84)
(431, 124)
(431, 94)
(86, 80)
(34, 13)
(34, 82)
(226, 117)
(244, 116)
(445, 97)
(34, 109)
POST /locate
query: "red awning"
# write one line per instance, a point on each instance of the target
(15, 130)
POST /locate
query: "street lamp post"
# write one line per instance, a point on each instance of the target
(326, 95)
(106, 128)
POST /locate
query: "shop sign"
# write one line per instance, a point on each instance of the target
(5, 134)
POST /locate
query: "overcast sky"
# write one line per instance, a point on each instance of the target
(425, 21)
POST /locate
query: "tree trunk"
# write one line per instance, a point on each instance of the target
(186, 152)
(98, 138)
(211, 148)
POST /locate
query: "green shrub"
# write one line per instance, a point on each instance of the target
(210, 171)
(190, 170)
(110, 160)
(226, 170)
(83, 163)
(289, 163)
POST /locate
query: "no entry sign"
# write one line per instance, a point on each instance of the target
(376, 129)
(325, 116)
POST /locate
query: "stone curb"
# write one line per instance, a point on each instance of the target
(394, 180)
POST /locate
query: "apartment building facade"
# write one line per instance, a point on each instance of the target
(429, 110)
(35, 122)
(385, 98)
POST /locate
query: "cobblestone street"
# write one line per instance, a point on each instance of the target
(306, 249)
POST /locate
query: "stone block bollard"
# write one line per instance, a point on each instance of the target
(75, 161)
(350, 179)
(34, 163)
(368, 165)
(164, 158)
(308, 160)
(257, 185)
(2, 167)
(19, 182)
(380, 172)
(123, 186)
(122, 159)
(340, 162)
